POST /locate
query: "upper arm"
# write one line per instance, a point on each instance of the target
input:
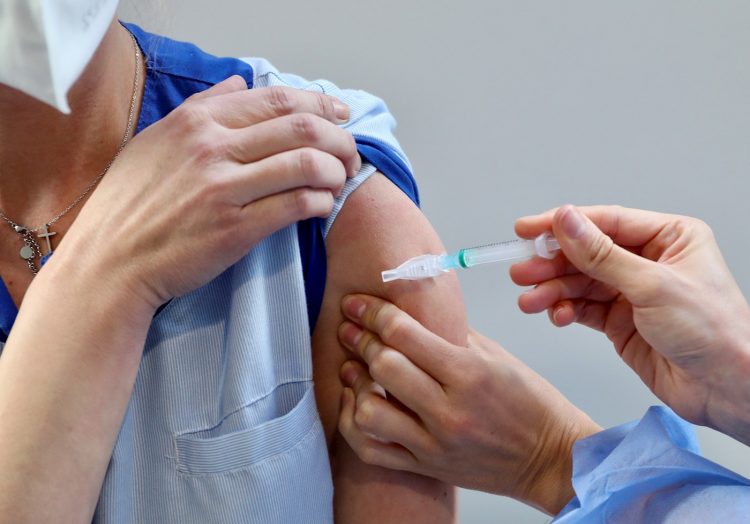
(379, 228)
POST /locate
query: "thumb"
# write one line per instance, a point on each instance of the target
(596, 254)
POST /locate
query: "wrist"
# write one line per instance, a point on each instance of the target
(728, 407)
(549, 485)
(99, 291)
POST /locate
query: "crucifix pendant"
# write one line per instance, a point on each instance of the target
(46, 234)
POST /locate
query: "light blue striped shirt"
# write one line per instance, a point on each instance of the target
(222, 425)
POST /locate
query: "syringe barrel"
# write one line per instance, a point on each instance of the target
(497, 252)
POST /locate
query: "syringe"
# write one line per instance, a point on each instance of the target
(427, 266)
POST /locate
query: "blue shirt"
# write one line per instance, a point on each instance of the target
(222, 425)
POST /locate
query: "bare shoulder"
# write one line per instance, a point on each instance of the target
(379, 228)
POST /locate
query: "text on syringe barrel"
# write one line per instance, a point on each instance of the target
(497, 252)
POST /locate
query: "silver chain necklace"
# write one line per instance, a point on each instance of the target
(31, 250)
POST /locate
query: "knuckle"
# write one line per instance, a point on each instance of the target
(369, 347)
(382, 364)
(306, 127)
(192, 116)
(325, 105)
(311, 203)
(368, 455)
(365, 416)
(479, 376)
(309, 164)
(393, 324)
(458, 426)
(600, 251)
(208, 147)
(280, 101)
(304, 201)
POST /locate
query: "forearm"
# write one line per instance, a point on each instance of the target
(728, 407)
(66, 376)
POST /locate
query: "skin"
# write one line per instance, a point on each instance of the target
(379, 228)
(655, 284)
(658, 287)
(224, 170)
(513, 439)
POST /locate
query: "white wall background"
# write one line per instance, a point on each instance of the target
(511, 107)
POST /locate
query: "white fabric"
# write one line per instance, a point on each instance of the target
(46, 44)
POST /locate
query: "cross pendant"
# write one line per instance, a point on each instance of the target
(45, 234)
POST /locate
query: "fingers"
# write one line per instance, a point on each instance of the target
(234, 83)
(549, 293)
(243, 108)
(535, 270)
(594, 253)
(280, 210)
(370, 450)
(584, 312)
(294, 132)
(375, 415)
(300, 168)
(626, 226)
(396, 329)
(390, 368)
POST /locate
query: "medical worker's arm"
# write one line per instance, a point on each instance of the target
(378, 228)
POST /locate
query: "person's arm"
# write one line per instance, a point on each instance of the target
(378, 228)
(223, 171)
(658, 287)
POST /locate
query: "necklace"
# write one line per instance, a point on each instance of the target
(31, 249)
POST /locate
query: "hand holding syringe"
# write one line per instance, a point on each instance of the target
(427, 266)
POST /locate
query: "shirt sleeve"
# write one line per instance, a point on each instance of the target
(372, 126)
(651, 470)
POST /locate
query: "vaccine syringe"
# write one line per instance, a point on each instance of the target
(427, 266)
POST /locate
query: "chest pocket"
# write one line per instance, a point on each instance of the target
(227, 376)
(268, 428)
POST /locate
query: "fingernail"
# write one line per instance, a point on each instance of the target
(573, 222)
(341, 110)
(353, 307)
(350, 334)
(348, 374)
(556, 315)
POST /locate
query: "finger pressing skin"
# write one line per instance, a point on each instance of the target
(369, 450)
(380, 418)
(292, 132)
(548, 293)
(397, 329)
(390, 368)
(252, 106)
